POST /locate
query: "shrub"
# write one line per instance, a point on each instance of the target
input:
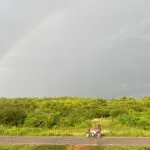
(70, 121)
(12, 116)
(66, 122)
(52, 120)
(128, 119)
(135, 120)
(118, 111)
(97, 113)
(38, 119)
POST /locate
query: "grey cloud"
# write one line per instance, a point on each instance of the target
(124, 86)
(76, 48)
(17, 18)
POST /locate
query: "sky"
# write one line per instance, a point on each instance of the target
(87, 48)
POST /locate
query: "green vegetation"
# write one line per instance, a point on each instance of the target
(73, 116)
(59, 147)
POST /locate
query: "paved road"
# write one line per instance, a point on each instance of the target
(110, 141)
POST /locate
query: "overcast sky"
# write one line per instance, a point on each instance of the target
(74, 48)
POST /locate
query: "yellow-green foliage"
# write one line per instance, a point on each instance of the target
(73, 116)
(61, 147)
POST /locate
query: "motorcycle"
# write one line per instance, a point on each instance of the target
(93, 133)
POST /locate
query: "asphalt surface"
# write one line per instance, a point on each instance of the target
(108, 141)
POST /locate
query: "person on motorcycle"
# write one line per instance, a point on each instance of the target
(95, 130)
(96, 127)
(99, 127)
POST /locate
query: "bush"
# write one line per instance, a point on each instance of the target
(128, 119)
(97, 113)
(52, 120)
(118, 111)
(135, 120)
(85, 124)
(136, 108)
(12, 116)
(103, 113)
(38, 119)
(66, 122)
(70, 121)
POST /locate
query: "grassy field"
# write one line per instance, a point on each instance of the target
(73, 116)
(110, 128)
(50, 147)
